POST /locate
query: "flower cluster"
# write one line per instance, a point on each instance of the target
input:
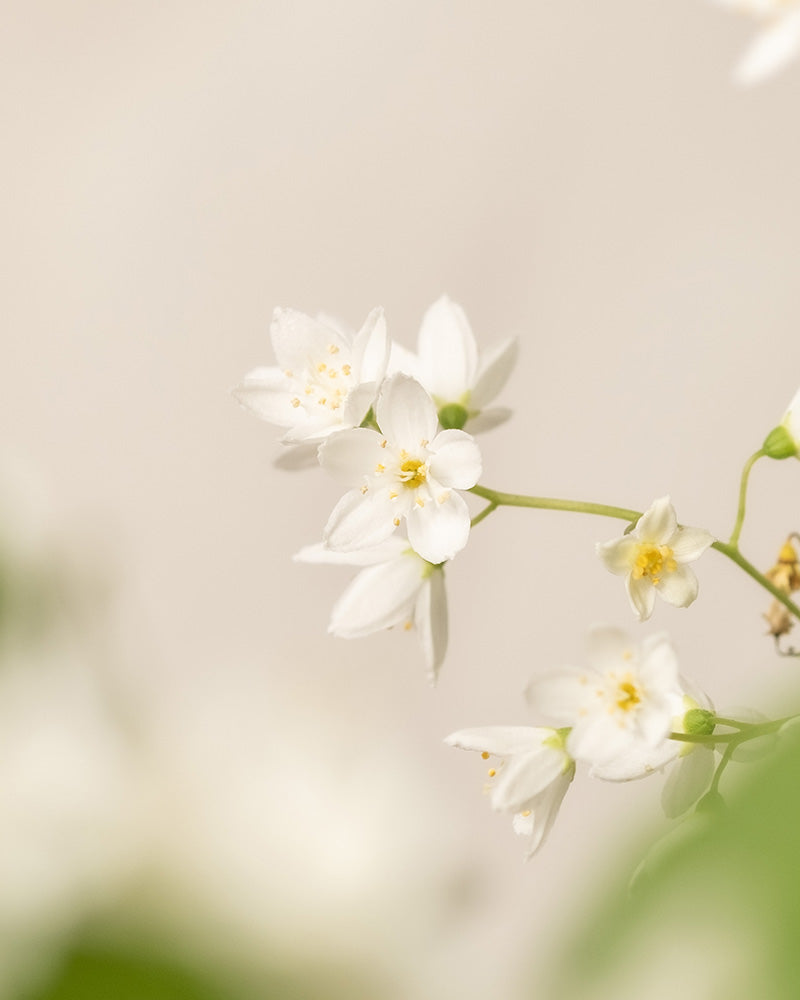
(389, 424)
(396, 428)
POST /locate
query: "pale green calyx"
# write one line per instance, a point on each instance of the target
(779, 443)
(453, 416)
(698, 722)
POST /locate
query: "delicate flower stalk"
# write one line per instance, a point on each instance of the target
(653, 559)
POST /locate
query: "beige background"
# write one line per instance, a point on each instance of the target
(581, 174)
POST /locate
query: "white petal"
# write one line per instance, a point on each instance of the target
(641, 595)
(447, 351)
(371, 349)
(456, 460)
(359, 521)
(771, 50)
(560, 695)
(688, 544)
(610, 648)
(267, 393)
(430, 620)
(659, 664)
(497, 365)
(687, 781)
(524, 776)
(791, 419)
(401, 360)
(352, 455)
(618, 555)
(321, 555)
(358, 402)
(487, 420)
(658, 523)
(438, 531)
(545, 811)
(638, 761)
(299, 341)
(679, 587)
(379, 597)
(500, 741)
(406, 413)
(598, 738)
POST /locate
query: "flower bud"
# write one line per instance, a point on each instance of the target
(453, 416)
(779, 443)
(698, 722)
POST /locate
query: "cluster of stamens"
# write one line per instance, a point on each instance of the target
(652, 561)
(325, 385)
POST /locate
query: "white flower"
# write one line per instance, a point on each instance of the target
(653, 558)
(407, 471)
(775, 45)
(327, 377)
(532, 776)
(397, 587)
(448, 365)
(623, 702)
(692, 763)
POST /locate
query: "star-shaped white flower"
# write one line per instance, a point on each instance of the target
(653, 557)
(530, 779)
(327, 377)
(410, 470)
(622, 703)
(449, 366)
(397, 587)
(775, 45)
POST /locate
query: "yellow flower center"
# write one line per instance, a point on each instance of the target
(652, 561)
(627, 695)
(412, 472)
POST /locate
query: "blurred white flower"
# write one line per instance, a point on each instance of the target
(327, 377)
(532, 776)
(653, 558)
(397, 587)
(408, 470)
(623, 703)
(449, 366)
(775, 45)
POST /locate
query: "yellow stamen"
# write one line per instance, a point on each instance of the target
(380, 468)
(295, 402)
(628, 696)
(525, 813)
(412, 472)
(346, 369)
(321, 366)
(491, 772)
(364, 489)
(485, 755)
(333, 349)
(653, 560)
(396, 522)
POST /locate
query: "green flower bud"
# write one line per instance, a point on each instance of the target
(698, 722)
(779, 443)
(453, 416)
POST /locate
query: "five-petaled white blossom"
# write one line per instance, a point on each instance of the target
(409, 470)
(531, 777)
(776, 44)
(623, 702)
(653, 558)
(396, 587)
(327, 377)
(449, 366)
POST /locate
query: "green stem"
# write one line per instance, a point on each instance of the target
(748, 465)
(734, 554)
(484, 513)
(726, 757)
(747, 731)
(497, 499)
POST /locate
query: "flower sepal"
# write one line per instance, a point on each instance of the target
(779, 443)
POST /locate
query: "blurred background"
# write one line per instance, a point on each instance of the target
(202, 794)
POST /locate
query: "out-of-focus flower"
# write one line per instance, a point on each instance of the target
(653, 558)
(785, 574)
(532, 776)
(623, 703)
(397, 587)
(409, 470)
(775, 45)
(326, 380)
(449, 366)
